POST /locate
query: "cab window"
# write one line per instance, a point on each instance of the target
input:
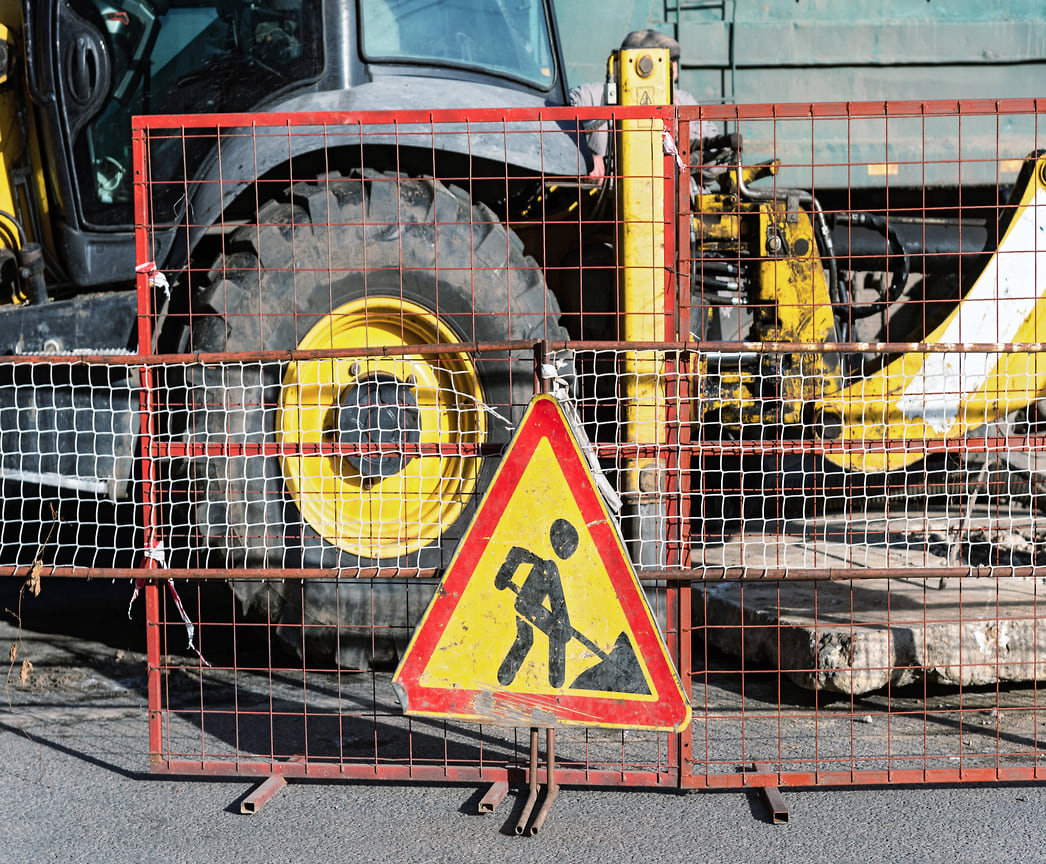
(178, 57)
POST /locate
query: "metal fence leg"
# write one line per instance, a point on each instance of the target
(532, 798)
(552, 789)
(775, 801)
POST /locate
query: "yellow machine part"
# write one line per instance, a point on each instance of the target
(790, 300)
(790, 280)
(391, 516)
(12, 143)
(644, 78)
(946, 395)
(19, 144)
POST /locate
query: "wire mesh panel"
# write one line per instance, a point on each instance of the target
(247, 705)
(68, 463)
(864, 444)
(290, 672)
(355, 339)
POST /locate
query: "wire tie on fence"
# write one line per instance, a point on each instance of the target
(561, 386)
(483, 406)
(186, 620)
(155, 552)
(138, 585)
(156, 277)
(668, 144)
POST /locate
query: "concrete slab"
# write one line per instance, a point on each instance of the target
(857, 636)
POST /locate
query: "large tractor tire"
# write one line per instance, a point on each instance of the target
(371, 260)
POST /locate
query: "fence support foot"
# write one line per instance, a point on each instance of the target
(773, 798)
(262, 794)
(551, 789)
(494, 796)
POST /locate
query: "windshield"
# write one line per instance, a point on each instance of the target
(180, 57)
(508, 37)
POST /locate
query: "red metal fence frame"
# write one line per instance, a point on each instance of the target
(683, 765)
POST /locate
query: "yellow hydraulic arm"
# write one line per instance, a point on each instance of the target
(933, 395)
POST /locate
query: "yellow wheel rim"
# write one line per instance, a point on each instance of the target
(393, 501)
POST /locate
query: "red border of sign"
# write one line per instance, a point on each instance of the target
(544, 420)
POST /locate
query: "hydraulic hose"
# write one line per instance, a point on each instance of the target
(899, 254)
(823, 234)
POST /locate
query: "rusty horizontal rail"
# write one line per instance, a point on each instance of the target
(667, 347)
(675, 576)
(421, 773)
(180, 450)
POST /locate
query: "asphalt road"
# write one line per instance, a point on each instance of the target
(73, 751)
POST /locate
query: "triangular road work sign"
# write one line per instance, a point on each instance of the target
(540, 620)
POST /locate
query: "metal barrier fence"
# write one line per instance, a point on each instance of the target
(373, 335)
(814, 403)
(868, 540)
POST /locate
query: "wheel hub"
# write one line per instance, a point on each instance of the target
(379, 416)
(384, 498)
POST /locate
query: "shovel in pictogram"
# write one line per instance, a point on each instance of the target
(616, 672)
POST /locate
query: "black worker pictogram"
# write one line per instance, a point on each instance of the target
(540, 604)
(541, 584)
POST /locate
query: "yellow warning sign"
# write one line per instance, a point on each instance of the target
(540, 619)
